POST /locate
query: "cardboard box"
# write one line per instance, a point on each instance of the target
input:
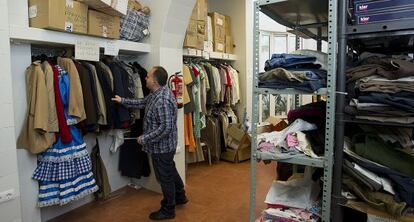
(218, 26)
(238, 144)
(229, 45)
(193, 39)
(61, 15)
(236, 156)
(103, 25)
(209, 30)
(134, 4)
(364, 6)
(227, 25)
(219, 46)
(199, 11)
(110, 7)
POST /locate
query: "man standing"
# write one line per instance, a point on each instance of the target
(159, 139)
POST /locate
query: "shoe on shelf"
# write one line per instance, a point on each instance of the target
(160, 215)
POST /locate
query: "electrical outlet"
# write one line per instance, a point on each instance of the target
(7, 195)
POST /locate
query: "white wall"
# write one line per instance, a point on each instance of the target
(10, 210)
(169, 21)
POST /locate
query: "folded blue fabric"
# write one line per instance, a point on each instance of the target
(288, 60)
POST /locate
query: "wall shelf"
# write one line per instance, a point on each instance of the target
(196, 53)
(54, 38)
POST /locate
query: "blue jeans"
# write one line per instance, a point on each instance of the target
(306, 86)
(288, 60)
(171, 184)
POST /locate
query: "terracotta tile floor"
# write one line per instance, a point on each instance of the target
(217, 193)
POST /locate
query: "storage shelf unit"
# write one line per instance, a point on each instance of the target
(365, 208)
(322, 91)
(54, 38)
(303, 160)
(310, 18)
(196, 53)
(382, 37)
(348, 119)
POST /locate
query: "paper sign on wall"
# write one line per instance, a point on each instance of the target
(86, 50)
(206, 55)
(111, 48)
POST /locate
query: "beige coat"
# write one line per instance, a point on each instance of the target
(53, 120)
(35, 135)
(76, 106)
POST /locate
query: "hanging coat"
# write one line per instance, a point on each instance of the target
(99, 171)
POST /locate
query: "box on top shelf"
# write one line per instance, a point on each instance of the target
(367, 6)
(227, 25)
(194, 37)
(218, 26)
(229, 44)
(200, 11)
(103, 25)
(386, 16)
(61, 15)
(110, 7)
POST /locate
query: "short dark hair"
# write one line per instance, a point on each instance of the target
(160, 75)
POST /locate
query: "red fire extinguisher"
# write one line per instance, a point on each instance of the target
(176, 84)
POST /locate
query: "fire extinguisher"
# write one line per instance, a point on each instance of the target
(176, 84)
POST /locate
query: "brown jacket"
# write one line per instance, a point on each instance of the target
(35, 135)
(53, 121)
(76, 106)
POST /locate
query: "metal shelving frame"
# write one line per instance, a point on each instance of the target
(347, 34)
(327, 161)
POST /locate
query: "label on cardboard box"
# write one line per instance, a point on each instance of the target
(206, 55)
(111, 48)
(69, 3)
(104, 31)
(87, 50)
(33, 11)
(220, 21)
(220, 46)
(68, 26)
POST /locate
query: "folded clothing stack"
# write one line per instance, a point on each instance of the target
(382, 89)
(301, 72)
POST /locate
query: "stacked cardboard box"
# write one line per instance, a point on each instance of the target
(60, 15)
(74, 16)
(103, 25)
(110, 7)
(219, 31)
(238, 144)
(194, 37)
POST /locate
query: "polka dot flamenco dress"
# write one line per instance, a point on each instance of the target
(64, 170)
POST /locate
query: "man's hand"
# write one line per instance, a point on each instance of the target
(117, 99)
(139, 140)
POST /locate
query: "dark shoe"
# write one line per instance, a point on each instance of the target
(160, 215)
(181, 201)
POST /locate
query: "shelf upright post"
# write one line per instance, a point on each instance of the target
(330, 109)
(255, 113)
(337, 211)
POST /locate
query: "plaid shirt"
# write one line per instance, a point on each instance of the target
(160, 120)
(133, 25)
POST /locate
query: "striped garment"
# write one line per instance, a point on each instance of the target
(160, 120)
(64, 170)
